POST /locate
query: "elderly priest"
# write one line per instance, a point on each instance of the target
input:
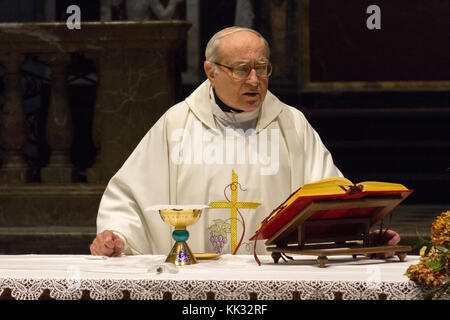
(230, 138)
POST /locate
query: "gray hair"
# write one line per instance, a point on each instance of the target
(212, 52)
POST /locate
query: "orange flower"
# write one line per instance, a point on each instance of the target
(440, 230)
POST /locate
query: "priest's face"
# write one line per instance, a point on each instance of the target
(238, 51)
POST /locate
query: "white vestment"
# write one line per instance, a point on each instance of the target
(186, 159)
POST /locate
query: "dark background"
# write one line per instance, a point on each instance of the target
(412, 44)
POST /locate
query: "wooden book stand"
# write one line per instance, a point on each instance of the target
(341, 236)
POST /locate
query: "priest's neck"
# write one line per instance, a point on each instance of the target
(223, 106)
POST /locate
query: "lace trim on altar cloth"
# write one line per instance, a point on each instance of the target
(113, 289)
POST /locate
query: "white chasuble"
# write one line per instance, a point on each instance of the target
(185, 159)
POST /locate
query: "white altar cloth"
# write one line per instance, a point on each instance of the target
(229, 277)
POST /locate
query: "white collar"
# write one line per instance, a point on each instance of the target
(199, 104)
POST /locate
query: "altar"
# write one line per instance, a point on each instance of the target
(230, 277)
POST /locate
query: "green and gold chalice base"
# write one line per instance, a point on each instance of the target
(180, 254)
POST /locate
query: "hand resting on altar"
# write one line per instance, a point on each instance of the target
(107, 244)
(387, 238)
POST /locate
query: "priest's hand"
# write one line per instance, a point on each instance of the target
(107, 244)
(386, 238)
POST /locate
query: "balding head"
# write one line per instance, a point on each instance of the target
(213, 53)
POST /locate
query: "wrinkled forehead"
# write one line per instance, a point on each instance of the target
(243, 46)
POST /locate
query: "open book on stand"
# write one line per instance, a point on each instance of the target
(331, 217)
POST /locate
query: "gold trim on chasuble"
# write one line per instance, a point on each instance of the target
(234, 206)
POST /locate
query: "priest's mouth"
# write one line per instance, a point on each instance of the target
(251, 94)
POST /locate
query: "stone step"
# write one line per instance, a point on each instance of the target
(407, 220)
(424, 162)
(46, 240)
(48, 219)
(380, 124)
(438, 145)
(39, 205)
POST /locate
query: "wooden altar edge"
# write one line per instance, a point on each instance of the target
(322, 254)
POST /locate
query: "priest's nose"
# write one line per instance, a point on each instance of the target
(252, 78)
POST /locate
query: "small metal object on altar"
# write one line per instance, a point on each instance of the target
(180, 217)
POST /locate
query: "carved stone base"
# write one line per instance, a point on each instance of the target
(48, 219)
(93, 175)
(14, 175)
(56, 175)
(46, 240)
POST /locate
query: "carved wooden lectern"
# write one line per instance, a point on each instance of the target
(311, 232)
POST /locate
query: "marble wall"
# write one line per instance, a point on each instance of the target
(136, 84)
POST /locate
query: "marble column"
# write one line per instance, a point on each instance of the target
(193, 54)
(13, 130)
(244, 14)
(137, 83)
(105, 10)
(50, 10)
(278, 23)
(94, 173)
(59, 123)
(134, 90)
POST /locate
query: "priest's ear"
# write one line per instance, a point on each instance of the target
(210, 70)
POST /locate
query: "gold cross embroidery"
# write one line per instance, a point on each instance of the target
(234, 205)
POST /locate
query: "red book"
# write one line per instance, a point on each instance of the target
(329, 189)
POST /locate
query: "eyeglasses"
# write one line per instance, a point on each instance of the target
(263, 70)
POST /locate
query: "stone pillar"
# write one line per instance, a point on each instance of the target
(105, 10)
(137, 83)
(278, 28)
(59, 123)
(194, 69)
(13, 128)
(134, 90)
(245, 14)
(94, 173)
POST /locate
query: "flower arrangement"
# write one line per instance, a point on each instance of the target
(433, 268)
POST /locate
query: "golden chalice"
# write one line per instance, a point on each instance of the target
(181, 218)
